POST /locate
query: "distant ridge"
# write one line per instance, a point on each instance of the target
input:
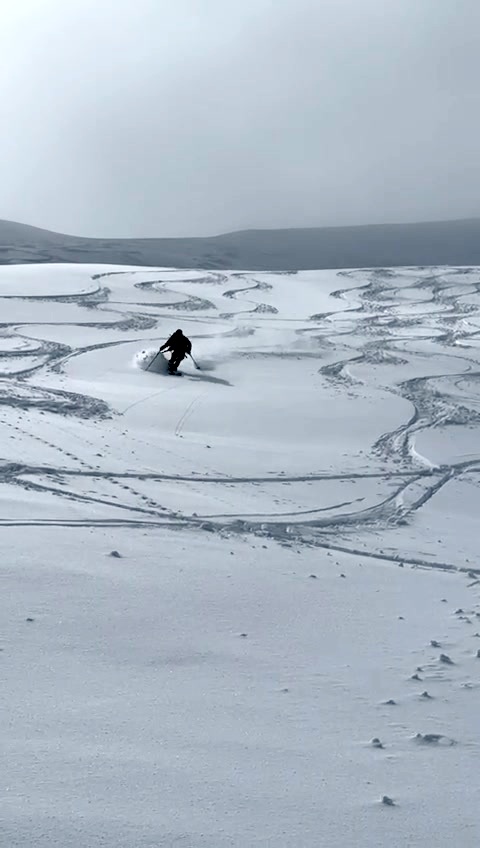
(432, 243)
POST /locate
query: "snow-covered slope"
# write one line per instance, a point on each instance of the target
(219, 588)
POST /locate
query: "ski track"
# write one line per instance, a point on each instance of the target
(386, 324)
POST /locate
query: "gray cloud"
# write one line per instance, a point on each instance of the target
(148, 117)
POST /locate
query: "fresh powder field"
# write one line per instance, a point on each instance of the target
(240, 607)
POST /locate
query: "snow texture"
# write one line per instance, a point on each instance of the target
(246, 610)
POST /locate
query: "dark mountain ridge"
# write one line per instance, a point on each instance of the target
(430, 243)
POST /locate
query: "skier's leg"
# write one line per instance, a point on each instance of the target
(174, 363)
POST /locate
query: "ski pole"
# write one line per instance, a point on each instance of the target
(197, 366)
(153, 360)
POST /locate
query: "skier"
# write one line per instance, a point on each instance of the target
(180, 347)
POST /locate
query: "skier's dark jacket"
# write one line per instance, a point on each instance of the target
(178, 343)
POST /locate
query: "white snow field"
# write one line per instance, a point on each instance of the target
(218, 590)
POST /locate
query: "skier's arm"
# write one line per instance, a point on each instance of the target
(167, 344)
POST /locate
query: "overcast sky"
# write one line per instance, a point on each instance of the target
(195, 117)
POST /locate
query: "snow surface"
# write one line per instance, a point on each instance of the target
(233, 581)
